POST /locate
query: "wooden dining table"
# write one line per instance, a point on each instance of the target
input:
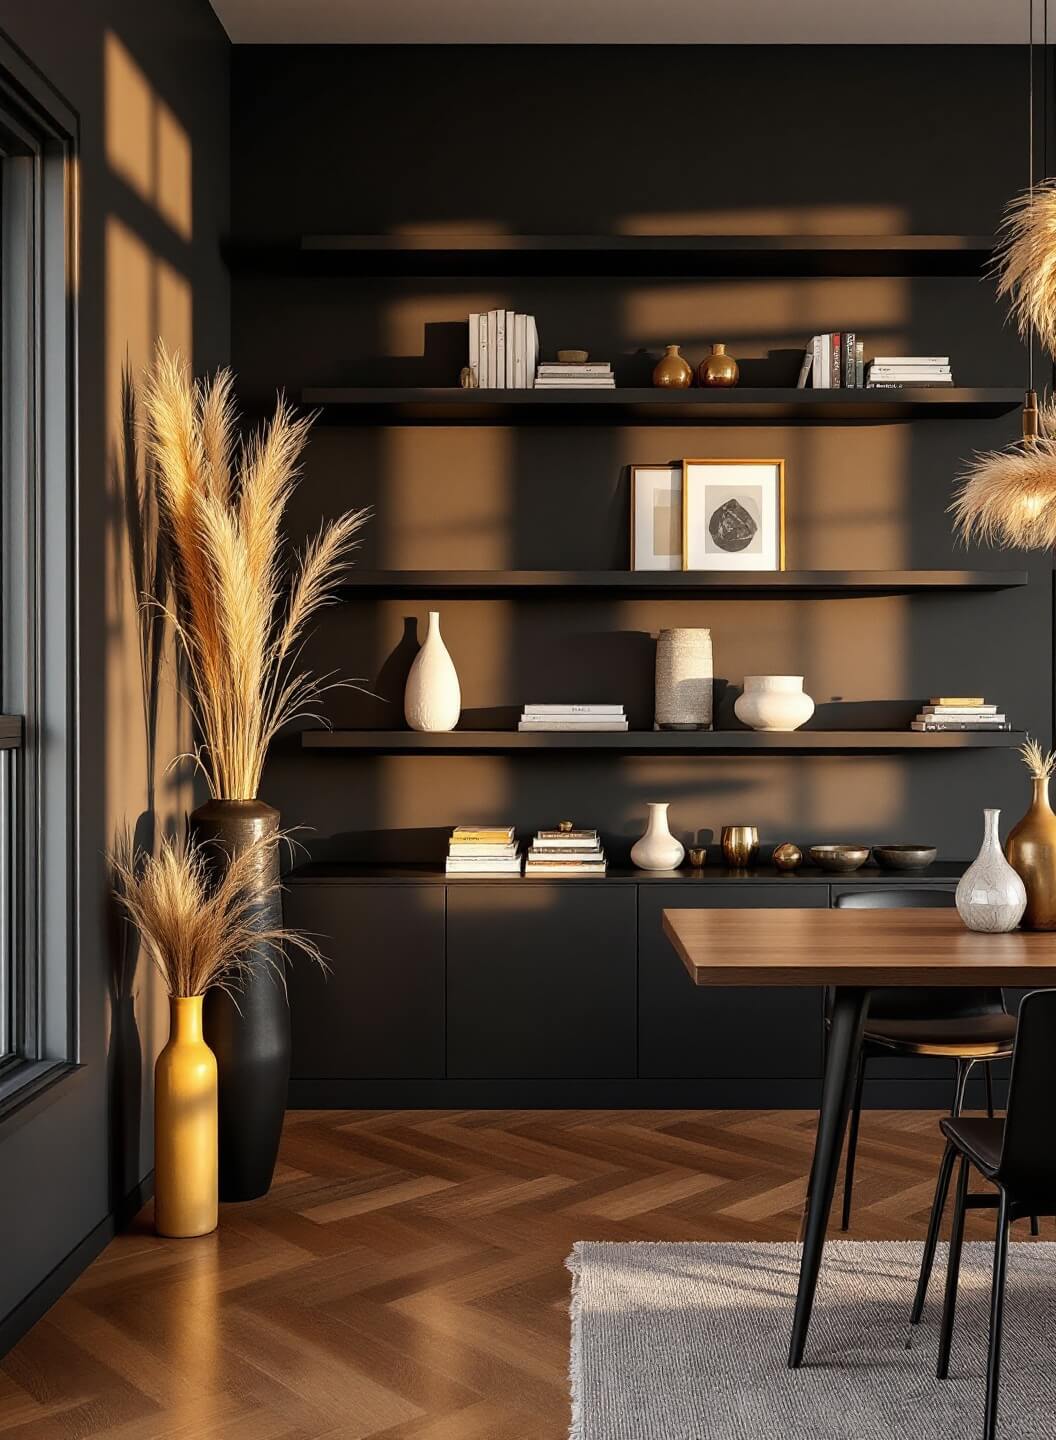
(854, 952)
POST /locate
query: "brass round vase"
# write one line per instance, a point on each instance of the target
(718, 368)
(673, 372)
(1031, 851)
(186, 1185)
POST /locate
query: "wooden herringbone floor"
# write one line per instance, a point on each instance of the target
(405, 1281)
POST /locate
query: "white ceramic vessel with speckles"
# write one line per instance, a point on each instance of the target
(990, 895)
(432, 701)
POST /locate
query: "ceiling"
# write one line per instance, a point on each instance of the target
(627, 22)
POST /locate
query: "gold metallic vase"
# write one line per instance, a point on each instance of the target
(673, 372)
(1031, 851)
(718, 368)
(740, 845)
(185, 1126)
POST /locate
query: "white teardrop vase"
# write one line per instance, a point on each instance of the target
(990, 895)
(657, 849)
(773, 702)
(432, 700)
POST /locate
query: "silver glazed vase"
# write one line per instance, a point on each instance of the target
(990, 895)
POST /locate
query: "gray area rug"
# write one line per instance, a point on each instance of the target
(689, 1342)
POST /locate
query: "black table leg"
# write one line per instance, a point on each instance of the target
(841, 1067)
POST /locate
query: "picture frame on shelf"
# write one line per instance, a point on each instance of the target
(733, 514)
(656, 517)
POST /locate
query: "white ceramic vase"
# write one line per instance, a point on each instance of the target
(684, 680)
(657, 849)
(432, 700)
(990, 895)
(773, 702)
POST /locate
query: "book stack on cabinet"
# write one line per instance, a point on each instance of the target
(483, 850)
(572, 717)
(503, 350)
(960, 712)
(566, 852)
(892, 372)
(575, 375)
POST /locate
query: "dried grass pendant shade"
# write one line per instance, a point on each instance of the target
(1008, 497)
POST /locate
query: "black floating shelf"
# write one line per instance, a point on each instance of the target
(627, 406)
(602, 255)
(652, 742)
(528, 584)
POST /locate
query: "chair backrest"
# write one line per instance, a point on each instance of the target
(1028, 1153)
(910, 1003)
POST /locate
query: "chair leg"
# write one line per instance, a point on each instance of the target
(989, 1072)
(997, 1311)
(953, 1268)
(852, 1144)
(963, 1069)
(942, 1189)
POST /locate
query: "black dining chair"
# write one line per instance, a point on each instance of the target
(1017, 1157)
(967, 1026)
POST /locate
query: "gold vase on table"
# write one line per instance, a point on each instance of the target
(185, 1126)
(740, 845)
(1031, 851)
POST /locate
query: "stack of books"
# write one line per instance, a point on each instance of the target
(566, 852)
(590, 375)
(573, 717)
(960, 712)
(892, 372)
(503, 349)
(483, 850)
(834, 361)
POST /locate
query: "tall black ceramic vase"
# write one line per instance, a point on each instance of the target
(251, 1040)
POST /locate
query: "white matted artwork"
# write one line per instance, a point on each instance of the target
(733, 515)
(656, 517)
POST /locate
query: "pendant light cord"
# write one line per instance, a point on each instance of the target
(1030, 161)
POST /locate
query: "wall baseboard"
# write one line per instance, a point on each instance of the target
(40, 1300)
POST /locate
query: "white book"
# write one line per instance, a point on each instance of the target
(588, 367)
(808, 365)
(500, 349)
(520, 350)
(961, 719)
(592, 870)
(471, 851)
(924, 372)
(484, 336)
(958, 709)
(530, 710)
(590, 725)
(822, 362)
(532, 337)
(510, 328)
(497, 865)
(474, 346)
(570, 383)
(910, 360)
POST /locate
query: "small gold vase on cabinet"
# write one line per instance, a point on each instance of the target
(1031, 851)
(673, 371)
(185, 1126)
(718, 368)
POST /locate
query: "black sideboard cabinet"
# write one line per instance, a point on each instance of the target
(553, 993)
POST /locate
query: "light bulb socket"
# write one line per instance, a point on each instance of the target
(1030, 415)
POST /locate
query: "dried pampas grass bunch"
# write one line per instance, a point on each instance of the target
(202, 929)
(1039, 762)
(243, 602)
(1025, 262)
(1008, 497)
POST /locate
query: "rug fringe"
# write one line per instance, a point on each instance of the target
(575, 1366)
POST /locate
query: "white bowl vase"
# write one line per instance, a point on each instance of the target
(990, 895)
(432, 700)
(773, 702)
(657, 849)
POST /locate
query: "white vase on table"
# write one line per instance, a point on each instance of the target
(657, 849)
(990, 895)
(432, 701)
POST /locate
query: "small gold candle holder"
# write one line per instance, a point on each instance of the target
(698, 856)
(740, 845)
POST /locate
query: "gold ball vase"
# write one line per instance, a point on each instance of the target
(1031, 851)
(673, 371)
(787, 856)
(186, 1178)
(718, 369)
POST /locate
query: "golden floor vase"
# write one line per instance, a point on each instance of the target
(1031, 851)
(185, 1126)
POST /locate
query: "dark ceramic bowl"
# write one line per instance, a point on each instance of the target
(904, 857)
(839, 859)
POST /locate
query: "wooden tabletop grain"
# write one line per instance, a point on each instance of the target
(854, 947)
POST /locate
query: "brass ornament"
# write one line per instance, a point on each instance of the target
(698, 856)
(565, 826)
(467, 378)
(673, 371)
(787, 856)
(740, 845)
(718, 369)
(1031, 851)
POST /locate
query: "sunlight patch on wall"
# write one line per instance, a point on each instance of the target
(145, 143)
(813, 219)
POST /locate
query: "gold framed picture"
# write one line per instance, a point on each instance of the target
(656, 517)
(733, 514)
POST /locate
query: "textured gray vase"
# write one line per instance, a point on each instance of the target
(684, 680)
(990, 895)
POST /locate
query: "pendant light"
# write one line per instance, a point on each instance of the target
(1008, 497)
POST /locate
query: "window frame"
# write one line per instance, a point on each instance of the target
(38, 495)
